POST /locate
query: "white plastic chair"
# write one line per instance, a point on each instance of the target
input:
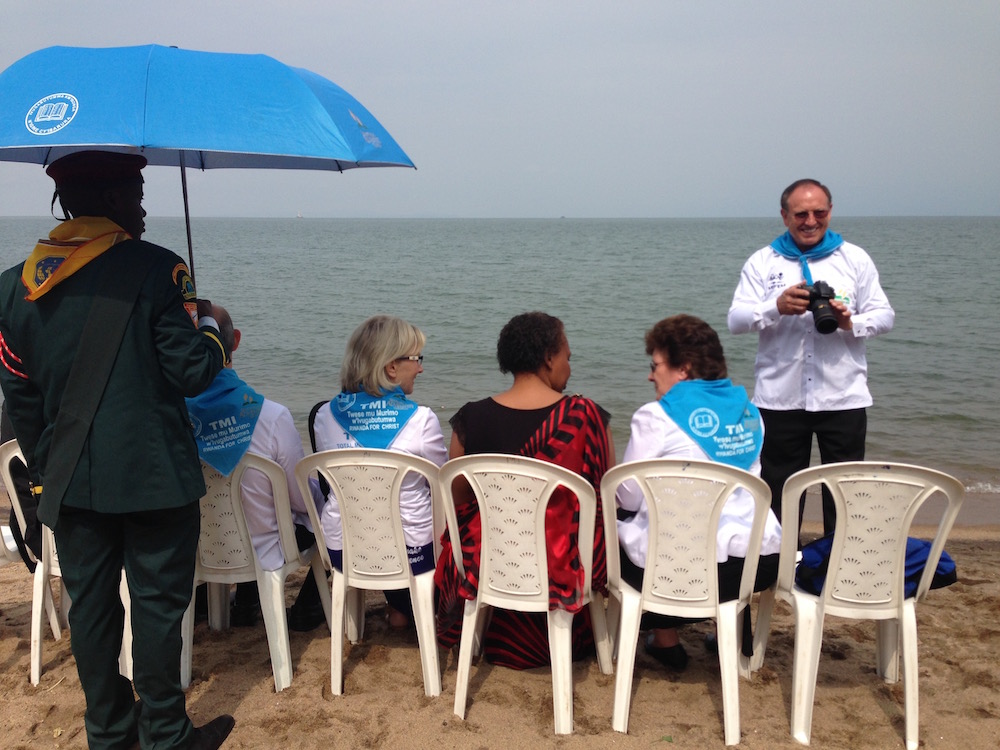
(876, 504)
(685, 500)
(226, 556)
(10, 552)
(513, 493)
(45, 570)
(366, 483)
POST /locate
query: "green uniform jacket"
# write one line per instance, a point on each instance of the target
(140, 453)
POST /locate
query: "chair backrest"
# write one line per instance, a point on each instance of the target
(685, 499)
(225, 548)
(513, 493)
(8, 451)
(366, 483)
(876, 503)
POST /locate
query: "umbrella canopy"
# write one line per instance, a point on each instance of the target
(200, 109)
(185, 108)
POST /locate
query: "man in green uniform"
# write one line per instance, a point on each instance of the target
(119, 481)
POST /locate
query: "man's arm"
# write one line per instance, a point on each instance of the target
(287, 451)
(25, 404)
(751, 310)
(189, 359)
(874, 314)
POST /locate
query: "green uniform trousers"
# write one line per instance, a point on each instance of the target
(157, 548)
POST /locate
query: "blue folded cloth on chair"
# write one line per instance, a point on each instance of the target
(810, 573)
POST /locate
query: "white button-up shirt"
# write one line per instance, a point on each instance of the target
(797, 367)
(421, 436)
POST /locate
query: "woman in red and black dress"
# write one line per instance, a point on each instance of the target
(532, 418)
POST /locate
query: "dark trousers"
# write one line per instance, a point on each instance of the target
(157, 550)
(730, 573)
(788, 445)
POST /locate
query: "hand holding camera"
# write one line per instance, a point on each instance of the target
(820, 295)
(818, 298)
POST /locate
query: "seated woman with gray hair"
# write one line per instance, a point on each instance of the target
(383, 358)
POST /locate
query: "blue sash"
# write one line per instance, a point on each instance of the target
(223, 418)
(719, 417)
(373, 421)
(785, 247)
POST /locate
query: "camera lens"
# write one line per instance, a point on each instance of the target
(823, 317)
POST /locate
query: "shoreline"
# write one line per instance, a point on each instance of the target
(384, 706)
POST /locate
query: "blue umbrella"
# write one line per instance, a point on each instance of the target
(186, 109)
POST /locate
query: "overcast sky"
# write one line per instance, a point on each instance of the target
(654, 108)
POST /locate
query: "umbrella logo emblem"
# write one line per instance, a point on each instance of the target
(370, 137)
(51, 114)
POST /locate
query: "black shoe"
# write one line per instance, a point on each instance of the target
(711, 643)
(672, 657)
(212, 735)
(244, 615)
(303, 619)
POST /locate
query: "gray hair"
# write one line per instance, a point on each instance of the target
(376, 343)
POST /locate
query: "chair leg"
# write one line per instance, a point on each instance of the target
(218, 606)
(761, 633)
(808, 640)
(271, 586)
(187, 641)
(560, 624)
(41, 595)
(338, 604)
(602, 638)
(728, 630)
(65, 603)
(422, 598)
(887, 650)
(911, 699)
(319, 573)
(355, 608)
(628, 635)
(125, 655)
(612, 617)
(470, 619)
(55, 615)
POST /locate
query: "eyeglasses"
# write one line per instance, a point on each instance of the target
(412, 358)
(820, 215)
(653, 364)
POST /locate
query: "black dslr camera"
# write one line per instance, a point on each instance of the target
(820, 294)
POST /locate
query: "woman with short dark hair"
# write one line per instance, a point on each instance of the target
(688, 370)
(532, 418)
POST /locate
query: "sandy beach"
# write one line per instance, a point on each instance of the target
(384, 703)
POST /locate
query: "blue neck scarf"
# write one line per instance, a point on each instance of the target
(223, 418)
(719, 417)
(785, 246)
(373, 421)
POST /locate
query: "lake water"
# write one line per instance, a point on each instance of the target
(298, 287)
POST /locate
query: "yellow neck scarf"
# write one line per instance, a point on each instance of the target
(70, 246)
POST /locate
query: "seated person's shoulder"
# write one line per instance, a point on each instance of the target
(597, 412)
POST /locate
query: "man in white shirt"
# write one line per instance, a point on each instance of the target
(809, 382)
(265, 428)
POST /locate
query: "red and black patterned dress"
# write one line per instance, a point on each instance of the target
(573, 434)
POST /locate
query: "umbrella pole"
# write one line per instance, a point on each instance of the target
(187, 219)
